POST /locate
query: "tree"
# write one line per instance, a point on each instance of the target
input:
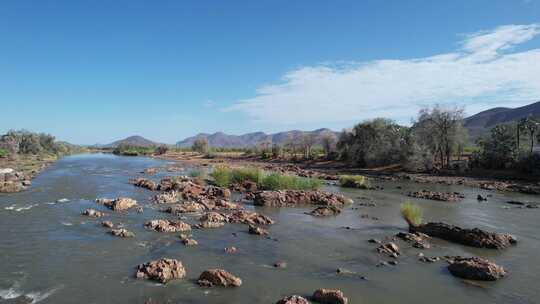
(499, 149)
(531, 125)
(441, 130)
(376, 142)
(519, 128)
(200, 145)
(307, 140)
(328, 141)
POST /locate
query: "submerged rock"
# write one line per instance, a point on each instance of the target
(218, 277)
(475, 268)
(257, 230)
(329, 296)
(389, 248)
(438, 196)
(167, 226)
(326, 211)
(289, 198)
(469, 237)
(93, 213)
(231, 249)
(162, 270)
(107, 224)
(294, 299)
(189, 242)
(418, 240)
(124, 233)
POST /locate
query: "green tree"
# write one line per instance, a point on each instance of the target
(201, 145)
(499, 149)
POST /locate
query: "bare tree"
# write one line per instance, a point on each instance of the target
(328, 141)
(200, 145)
(445, 129)
(307, 141)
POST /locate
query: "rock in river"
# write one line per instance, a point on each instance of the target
(93, 213)
(475, 268)
(326, 211)
(293, 300)
(121, 232)
(289, 198)
(118, 204)
(162, 270)
(469, 237)
(438, 196)
(329, 296)
(257, 230)
(144, 183)
(167, 226)
(218, 277)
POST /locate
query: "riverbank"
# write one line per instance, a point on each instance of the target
(330, 170)
(16, 173)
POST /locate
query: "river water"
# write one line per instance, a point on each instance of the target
(52, 254)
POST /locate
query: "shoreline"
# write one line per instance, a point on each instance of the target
(18, 173)
(330, 170)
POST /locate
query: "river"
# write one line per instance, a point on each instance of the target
(52, 254)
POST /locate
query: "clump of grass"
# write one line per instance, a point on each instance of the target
(354, 181)
(241, 175)
(3, 153)
(224, 176)
(276, 181)
(411, 213)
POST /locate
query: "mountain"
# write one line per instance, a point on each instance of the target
(481, 123)
(135, 140)
(223, 140)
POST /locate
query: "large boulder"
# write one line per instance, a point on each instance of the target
(290, 198)
(329, 296)
(218, 277)
(293, 300)
(162, 270)
(118, 204)
(161, 225)
(469, 237)
(475, 268)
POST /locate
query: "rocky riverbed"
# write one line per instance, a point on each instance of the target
(203, 232)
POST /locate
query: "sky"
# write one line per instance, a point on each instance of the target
(96, 71)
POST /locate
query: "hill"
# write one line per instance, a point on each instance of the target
(223, 140)
(481, 123)
(135, 140)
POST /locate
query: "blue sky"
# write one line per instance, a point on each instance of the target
(96, 71)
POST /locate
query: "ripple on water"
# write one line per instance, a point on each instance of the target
(15, 292)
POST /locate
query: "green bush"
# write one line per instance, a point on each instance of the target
(276, 181)
(224, 176)
(411, 213)
(129, 150)
(354, 181)
(3, 153)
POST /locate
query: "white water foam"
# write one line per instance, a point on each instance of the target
(14, 292)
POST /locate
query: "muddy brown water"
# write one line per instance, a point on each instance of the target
(52, 254)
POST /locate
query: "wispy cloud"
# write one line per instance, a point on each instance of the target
(484, 70)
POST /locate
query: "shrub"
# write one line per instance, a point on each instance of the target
(162, 150)
(222, 176)
(128, 150)
(276, 181)
(3, 153)
(354, 181)
(411, 213)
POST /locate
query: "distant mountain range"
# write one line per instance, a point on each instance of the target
(223, 140)
(479, 124)
(135, 140)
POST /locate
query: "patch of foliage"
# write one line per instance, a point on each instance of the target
(224, 176)
(3, 153)
(129, 150)
(411, 213)
(354, 181)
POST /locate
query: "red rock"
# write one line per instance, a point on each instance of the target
(329, 296)
(162, 270)
(475, 268)
(218, 277)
